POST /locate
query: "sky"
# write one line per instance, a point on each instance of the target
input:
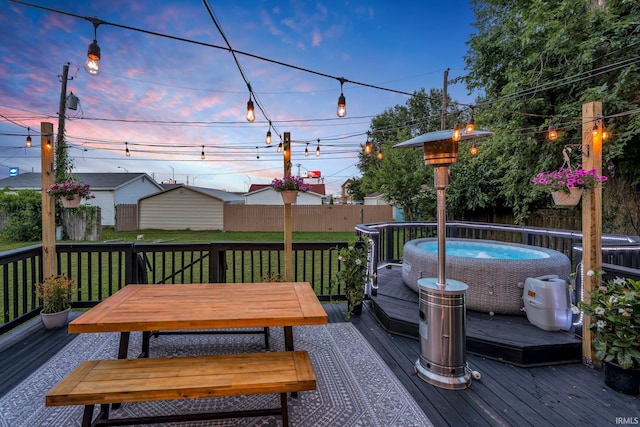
(168, 99)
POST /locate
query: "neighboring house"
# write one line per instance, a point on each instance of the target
(266, 195)
(184, 207)
(109, 189)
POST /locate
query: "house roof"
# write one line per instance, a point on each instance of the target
(222, 195)
(269, 188)
(97, 181)
(315, 188)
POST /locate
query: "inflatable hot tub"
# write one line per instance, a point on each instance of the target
(494, 271)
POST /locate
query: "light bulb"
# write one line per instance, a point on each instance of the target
(455, 137)
(251, 115)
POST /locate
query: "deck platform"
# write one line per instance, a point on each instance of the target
(507, 338)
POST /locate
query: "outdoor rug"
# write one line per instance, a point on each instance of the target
(354, 386)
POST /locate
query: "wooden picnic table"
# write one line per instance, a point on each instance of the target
(182, 307)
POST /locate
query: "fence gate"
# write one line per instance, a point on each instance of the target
(126, 217)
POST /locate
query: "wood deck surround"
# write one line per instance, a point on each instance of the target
(566, 394)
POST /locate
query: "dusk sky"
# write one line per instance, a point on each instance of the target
(168, 98)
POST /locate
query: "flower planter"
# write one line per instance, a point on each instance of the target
(289, 196)
(572, 198)
(626, 381)
(73, 203)
(55, 320)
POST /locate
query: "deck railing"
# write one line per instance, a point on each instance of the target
(101, 269)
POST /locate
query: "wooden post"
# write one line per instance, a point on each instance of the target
(288, 217)
(49, 266)
(591, 218)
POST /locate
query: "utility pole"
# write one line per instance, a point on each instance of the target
(61, 171)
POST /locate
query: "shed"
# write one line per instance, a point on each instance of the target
(184, 207)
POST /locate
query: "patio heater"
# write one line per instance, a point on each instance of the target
(442, 306)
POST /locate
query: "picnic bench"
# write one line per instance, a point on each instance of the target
(105, 382)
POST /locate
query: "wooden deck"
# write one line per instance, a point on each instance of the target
(567, 394)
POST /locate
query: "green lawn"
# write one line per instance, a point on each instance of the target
(108, 234)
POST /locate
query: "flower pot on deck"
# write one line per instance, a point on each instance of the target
(55, 320)
(626, 381)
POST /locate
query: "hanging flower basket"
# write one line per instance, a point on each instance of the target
(562, 198)
(71, 203)
(289, 196)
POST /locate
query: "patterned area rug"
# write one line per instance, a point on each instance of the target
(354, 386)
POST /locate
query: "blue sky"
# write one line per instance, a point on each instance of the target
(168, 98)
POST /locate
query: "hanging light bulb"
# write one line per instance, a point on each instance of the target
(92, 65)
(342, 102)
(280, 148)
(49, 141)
(457, 133)
(306, 150)
(473, 150)
(471, 124)
(28, 141)
(126, 149)
(202, 154)
(268, 138)
(367, 147)
(318, 149)
(251, 115)
(595, 128)
(379, 156)
(605, 133)
(553, 133)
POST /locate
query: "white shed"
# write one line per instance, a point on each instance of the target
(183, 207)
(269, 196)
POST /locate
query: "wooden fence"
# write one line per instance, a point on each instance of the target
(126, 217)
(305, 217)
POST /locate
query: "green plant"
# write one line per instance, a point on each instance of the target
(565, 179)
(55, 293)
(289, 183)
(69, 190)
(272, 277)
(352, 275)
(615, 309)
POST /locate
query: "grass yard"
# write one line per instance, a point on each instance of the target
(108, 234)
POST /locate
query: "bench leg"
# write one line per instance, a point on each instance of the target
(146, 336)
(284, 409)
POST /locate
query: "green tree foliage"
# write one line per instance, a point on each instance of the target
(401, 176)
(22, 211)
(538, 62)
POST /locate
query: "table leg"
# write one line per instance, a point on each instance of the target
(124, 345)
(288, 338)
(146, 336)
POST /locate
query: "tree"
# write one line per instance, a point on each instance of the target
(401, 176)
(537, 63)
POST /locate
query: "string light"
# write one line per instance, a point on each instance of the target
(457, 133)
(268, 138)
(379, 156)
(126, 149)
(251, 115)
(280, 148)
(202, 154)
(471, 124)
(553, 133)
(473, 150)
(306, 150)
(28, 141)
(92, 65)
(318, 149)
(342, 102)
(49, 141)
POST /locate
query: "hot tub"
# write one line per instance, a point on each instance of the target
(494, 271)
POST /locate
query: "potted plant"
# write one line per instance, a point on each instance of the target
(615, 308)
(289, 186)
(70, 193)
(566, 184)
(55, 293)
(353, 275)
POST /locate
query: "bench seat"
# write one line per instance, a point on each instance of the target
(106, 382)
